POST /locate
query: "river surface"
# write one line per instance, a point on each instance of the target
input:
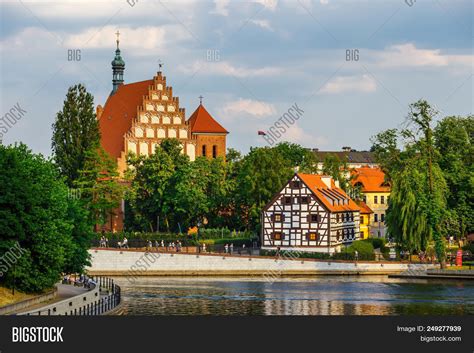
(324, 295)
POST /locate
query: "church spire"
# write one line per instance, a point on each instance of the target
(118, 67)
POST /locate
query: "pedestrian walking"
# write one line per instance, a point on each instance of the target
(231, 248)
(226, 248)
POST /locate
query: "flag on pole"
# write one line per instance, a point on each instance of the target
(261, 133)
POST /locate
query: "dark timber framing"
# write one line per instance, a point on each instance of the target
(295, 224)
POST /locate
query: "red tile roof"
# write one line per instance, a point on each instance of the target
(372, 179)
(330, 197)
(118, 114)
(202, 122)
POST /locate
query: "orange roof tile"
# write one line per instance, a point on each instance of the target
(372, 179)
(202, 122)
(119, 112)
(329, 196)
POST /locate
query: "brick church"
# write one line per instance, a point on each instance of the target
(137, 116)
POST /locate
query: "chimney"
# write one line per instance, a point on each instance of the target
(326, 179)
(337, 184)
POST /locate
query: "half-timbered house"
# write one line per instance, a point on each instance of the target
(310, 213)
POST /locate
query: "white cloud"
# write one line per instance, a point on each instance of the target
(221, 7)
(265, 24)
(239, 107)
(268, 4)
(22, 40)
(227, 69)
(296, 134)
(143, 40)
(324, 2)
(343, 84)
(408, 55)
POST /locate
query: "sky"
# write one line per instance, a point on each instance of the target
(353, 67)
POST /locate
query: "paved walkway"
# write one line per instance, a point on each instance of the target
(64, 291)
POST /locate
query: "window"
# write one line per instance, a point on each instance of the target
(364, 198)
(382, 217)
(376, 199)
(361, 219)
(382, 199)
(277, 236)
(352, 217)
(277, 217)
(287, 200)
(295, 184)
(376, 217)
(338, 235)
(305, 199)
(314, 218)
(204, 150)
(337, 217)
(312, 236)
(214, 151)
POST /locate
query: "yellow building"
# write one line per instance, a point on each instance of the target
(375, 193)
(365, 219)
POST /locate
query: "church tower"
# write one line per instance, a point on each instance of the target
(118, 67)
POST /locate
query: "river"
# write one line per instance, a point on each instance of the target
(324, 295)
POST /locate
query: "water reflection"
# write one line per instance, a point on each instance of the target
(335, 295)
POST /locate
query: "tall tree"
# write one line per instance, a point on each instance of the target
(75, 131)
(263, 172)
(416, 212)
(297, 156)
(150, 195)
(99, 185)
(35, 211)
(454, 140)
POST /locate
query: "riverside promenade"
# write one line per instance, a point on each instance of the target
(138, 262)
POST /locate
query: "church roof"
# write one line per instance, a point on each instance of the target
(118, 114)
(372, 179)
(202, 122)
(334, 198)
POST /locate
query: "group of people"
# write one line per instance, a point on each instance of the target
(178, 246)
(83, 281)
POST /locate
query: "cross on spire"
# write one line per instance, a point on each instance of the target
(118, 39)
(160, 64)
(200, 99)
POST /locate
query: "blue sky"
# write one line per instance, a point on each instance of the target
(270, 55)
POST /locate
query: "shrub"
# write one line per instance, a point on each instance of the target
(469, 247)
(377, 243)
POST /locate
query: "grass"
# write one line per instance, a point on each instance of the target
(7, 298)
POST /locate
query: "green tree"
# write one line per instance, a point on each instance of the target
(75, 131)
(297, 156)
(453, 138)
(417, 206)
(99, 185)
(263, 172)
(35, 212)
(151, 184)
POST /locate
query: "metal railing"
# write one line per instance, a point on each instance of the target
(103, 304)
